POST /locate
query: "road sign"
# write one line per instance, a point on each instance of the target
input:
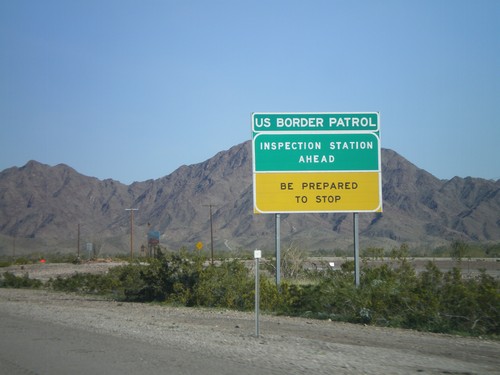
(316, 162)
(300, 151)
(318, 192)
(153, 237)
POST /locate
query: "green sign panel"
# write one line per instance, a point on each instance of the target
(316, 152)
(313, 122)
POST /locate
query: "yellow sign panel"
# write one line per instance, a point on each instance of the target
(199, 245)
(317, 192)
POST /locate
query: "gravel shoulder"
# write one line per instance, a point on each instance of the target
(285, 346)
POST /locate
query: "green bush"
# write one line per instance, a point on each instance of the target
(12, 281)
(85, 283)
(126, 280)
(169, 278)
(228, 285)
(394, 295)
(22, 260)
(390, 294)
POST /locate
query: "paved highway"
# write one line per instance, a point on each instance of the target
(32, 347)
(48, 333)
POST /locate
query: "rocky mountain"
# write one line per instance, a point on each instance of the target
(42, 207)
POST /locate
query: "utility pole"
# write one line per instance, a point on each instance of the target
(211, 231)
(131, 230)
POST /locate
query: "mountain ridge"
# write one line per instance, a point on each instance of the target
(46, 204)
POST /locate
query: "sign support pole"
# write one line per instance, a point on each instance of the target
(356, 247)
(257, 256)
(278, 250)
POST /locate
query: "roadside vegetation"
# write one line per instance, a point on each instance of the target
(390, 294)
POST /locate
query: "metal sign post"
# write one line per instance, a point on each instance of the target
(257, 255)
(278, 250)
(356, 248)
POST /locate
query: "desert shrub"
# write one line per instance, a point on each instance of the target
(117, 282)
(394, 295)
(85, 283)
(470, 305)
(390, 294)
(170, 278)
(128, 279)
(271, 297)
(492, 250)
(423, 313)
(292, 265)
(332, 295)
(178, 279)
(488, 303)
(228, 285)
(22, 260)
(12, 281)
(293, 259)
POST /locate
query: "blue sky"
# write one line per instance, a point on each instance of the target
(131, 90)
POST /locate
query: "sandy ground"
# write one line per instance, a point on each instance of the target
(284, 346)
(44, 271)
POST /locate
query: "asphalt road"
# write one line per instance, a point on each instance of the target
(33, 347)
(43, 332)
